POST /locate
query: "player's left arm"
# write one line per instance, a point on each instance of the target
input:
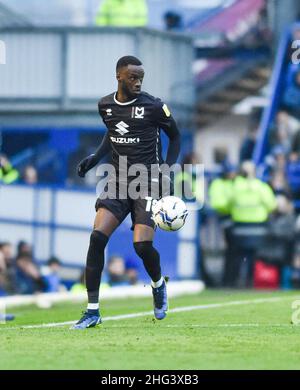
(167, 123)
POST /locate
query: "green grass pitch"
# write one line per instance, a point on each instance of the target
(257, 335)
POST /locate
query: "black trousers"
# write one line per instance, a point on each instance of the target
(247, 239)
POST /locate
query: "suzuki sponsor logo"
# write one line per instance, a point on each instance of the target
(119, 140)
(122, 128)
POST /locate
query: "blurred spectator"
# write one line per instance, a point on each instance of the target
(293, 272)
(220, 155)
(3, 287)
(2, 275)
(279, 159)
(286, 127)
(50, 274)
(293, 179)
(250, 205)
(260, 34)
(116, 272)
(8, 276)
(279, 184)
(248, 144)
(24, 248)
(263, 31)
(173, 21)
(275, 162)
(8, 174)
(291, 96)
(132, 266)
(295, 145)
(29, 278)
(79, 287)
(220, 192)
(279, 242)
(8, 270)
(7, 250)
(30, 175)
(122, 13)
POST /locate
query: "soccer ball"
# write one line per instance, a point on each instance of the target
(169, 213)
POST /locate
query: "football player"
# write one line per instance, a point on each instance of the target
(134, 120)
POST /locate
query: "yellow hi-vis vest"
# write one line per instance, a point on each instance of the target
(8, 174)
(220, 191)
(251, 201)
(122, 13)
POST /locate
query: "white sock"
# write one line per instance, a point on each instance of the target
(157, 284)
(93, 306)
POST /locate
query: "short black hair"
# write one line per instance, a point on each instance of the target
(128, 60)
(24, 256)
(4, 243)
(53, 260)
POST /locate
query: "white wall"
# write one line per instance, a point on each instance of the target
(226, 133)
(29, 213)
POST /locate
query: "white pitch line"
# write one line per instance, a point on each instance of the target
(229, 326)
(175, 310)
(187, 326)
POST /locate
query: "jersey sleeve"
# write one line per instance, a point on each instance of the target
(105, 147)
(101, 111)
(163, 115)
(166, 122)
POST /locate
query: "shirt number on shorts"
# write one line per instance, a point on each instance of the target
(150, 203)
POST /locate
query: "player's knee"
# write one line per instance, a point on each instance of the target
(98, 240)
(143, 248)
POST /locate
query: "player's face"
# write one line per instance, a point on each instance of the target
(131, 79)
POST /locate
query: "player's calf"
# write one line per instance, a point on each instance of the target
(151, 260)
(94, 267)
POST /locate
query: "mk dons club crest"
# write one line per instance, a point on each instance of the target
(138, 112)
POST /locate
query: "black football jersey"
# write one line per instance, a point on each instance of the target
(134, 127)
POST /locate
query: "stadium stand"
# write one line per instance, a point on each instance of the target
(48, 129)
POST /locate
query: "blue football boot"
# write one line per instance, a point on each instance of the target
(88, 320)
(6, 317)
(160, 301)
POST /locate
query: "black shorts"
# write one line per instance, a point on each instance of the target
(140, 209)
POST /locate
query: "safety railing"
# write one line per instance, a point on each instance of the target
(58, 221)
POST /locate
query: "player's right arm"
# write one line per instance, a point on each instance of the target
(92, 160)
(103, 149)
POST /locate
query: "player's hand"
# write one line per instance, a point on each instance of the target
(85, 165)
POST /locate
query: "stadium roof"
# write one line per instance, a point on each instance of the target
(10, 18)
